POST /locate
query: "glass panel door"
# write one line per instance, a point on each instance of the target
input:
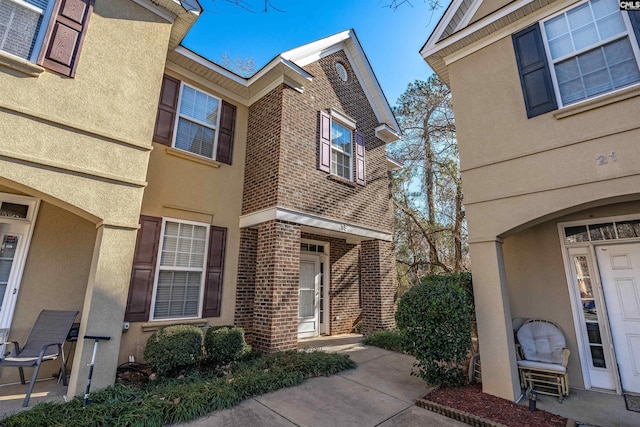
(8, 250)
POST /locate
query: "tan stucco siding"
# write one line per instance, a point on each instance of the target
(188, 189)
(55, 274)
(517, 169)
(85, 140)
(536, 276)
(538, 285)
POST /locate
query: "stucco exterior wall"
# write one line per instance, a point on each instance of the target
(55, 275)
(514, 169)
(536, 277)
(183, 187)
(90, 123)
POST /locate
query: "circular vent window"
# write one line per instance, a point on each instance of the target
(342, 72)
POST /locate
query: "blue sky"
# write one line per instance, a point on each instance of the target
(391, 39)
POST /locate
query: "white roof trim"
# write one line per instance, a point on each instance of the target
(163, 13)
(344, 228)
(432, 47)
(442, 25)
(475, 5)
(348, 41)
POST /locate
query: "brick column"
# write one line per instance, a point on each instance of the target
(377, 278)
(246, 287)
(275, 312)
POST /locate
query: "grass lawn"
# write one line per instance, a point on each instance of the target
(166, 401)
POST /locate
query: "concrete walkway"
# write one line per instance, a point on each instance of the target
(380, 392)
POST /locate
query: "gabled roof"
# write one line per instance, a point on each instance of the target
(287, 68)
(461, 26)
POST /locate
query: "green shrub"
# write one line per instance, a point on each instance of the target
(389, 340)
(435, 318)
(223, 346)
(172, 400)
(174, 349)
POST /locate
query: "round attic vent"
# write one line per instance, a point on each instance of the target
(342, 72)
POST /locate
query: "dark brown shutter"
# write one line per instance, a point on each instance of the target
(361, 174)
(225, 134)
(65, 34)
(634, 17)
(167, 109)
(144, 269)
(324, 144)
(215, 269)
(535, 77)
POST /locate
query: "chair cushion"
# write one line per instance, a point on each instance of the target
(542, 342)
(539, 365)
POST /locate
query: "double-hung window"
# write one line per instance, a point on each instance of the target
(181, 269)
(341, 147)
(21, 26)
(341, 150)
(592, 50)
(197, 122)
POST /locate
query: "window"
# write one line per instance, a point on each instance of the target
(592, 50)
(197, 122)
(181, 269)
(20, 25)
(341, 148)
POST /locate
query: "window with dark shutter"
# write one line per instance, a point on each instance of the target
(634, 17)
(167, 107)
(65, 35)
(215, 269)
(324, 143)
(144, 268)
(361, 174)
(535, 77)
(225, 134)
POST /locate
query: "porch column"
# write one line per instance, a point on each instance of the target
(493, 312)
(275, 312)
(378, 286)
(104, 305)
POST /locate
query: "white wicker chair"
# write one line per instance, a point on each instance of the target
(543, 358)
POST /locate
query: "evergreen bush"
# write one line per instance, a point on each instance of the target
(174, 349)
(223, 345)
(435, 318)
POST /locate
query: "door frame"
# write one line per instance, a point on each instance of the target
(324, 323)
(588, 248)
(21, 257)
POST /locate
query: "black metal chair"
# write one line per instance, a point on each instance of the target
(43, 344)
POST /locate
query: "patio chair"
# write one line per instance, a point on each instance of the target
(543, 358)
(44, 344)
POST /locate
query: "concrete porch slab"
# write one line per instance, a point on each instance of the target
(248, 413)
(591, 408)
(12, 395)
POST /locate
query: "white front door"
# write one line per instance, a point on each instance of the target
(309, 296)
(620, 273)
(12, 243)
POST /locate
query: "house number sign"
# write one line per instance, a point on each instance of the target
(603, 159)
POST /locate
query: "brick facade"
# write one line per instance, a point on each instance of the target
(282, 154)
(281, 171)
(377, 275)
(275, 312)
(245, 289)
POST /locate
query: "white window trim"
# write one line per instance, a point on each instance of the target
(556, 88)
(196, 121)
(158, 268)
(347, 122)
(39, 38)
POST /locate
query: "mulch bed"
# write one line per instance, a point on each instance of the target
(471, 399)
